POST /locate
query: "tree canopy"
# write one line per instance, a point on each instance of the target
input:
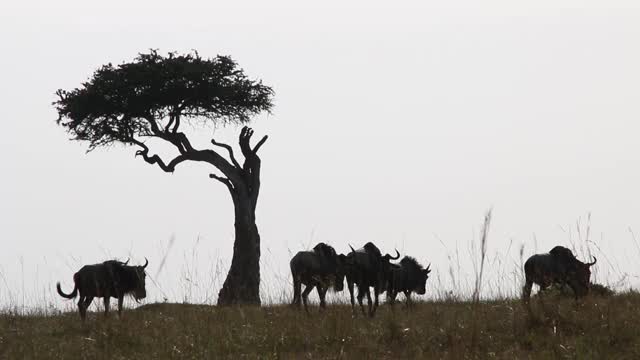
(152, 95)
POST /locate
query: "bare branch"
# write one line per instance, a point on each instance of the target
(154, 125)
(252, 163)
(155, 159)
(245, 137)
(223, 180)
(182, 139)
(175, 127)
(230, 150)
(172, 118)
(259, 144)
(139, 143)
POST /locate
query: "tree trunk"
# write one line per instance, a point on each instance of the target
(242, 286)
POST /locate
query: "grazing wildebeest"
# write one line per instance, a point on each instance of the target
(321, 268)
(408, 276)
(558, 266)
(109, 279)
(367, 268)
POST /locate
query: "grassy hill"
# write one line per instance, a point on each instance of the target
(596, 328)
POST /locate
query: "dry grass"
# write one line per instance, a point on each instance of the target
(597, 328)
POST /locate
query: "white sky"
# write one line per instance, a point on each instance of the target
(395, 122)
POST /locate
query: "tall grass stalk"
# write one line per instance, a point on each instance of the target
(478, 283)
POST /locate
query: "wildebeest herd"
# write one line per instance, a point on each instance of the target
(322, 268)
(365, 268)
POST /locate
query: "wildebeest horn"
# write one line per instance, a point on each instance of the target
(126, 262)
(352, 249)
(428, 267)
(146, 263)
(594, 261)
(397, 256)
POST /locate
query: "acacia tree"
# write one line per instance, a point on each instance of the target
(153, 97)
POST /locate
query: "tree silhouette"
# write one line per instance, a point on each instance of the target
(153, 97)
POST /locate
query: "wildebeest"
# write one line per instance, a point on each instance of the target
(109, 279)
(559, 266)
(367, 268)
(408, 276)
(321, 268)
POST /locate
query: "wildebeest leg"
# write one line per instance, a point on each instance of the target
(376, 295)
(106, 306)
(297, 289)
(86, 303)
(391, 297)
(541, 292)
(542, 289)
(526, 291)
(407, 295)
(120, 301)
(369, 302)
(353, 301)
(360, 297)
(322, 292)
(305, 296)
(573, 288)
(81, 309)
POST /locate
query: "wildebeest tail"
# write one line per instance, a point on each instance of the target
(73, 294)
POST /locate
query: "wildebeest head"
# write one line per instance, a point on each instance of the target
(341, 272)
(416, 276)
(579, 277)
(385, 268)
(336, 262)
(130, 279)
(578, 273)
(377, 265)
(140, 291)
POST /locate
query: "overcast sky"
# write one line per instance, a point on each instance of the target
(394, 122)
